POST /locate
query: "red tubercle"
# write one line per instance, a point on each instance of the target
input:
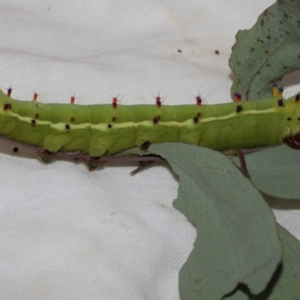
(158, 101)
(72, 99)
(9, 90)
(115, 102)
(35, 96)
(72, 120)
(237, 97)
(36, 116)
(198, 100)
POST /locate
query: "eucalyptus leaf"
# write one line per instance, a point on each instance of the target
(269, 50)
(285, 282)
(275, 171)
(237, 240)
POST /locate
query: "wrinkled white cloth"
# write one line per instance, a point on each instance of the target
(67, 233)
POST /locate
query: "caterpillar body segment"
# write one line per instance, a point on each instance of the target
(106, 129)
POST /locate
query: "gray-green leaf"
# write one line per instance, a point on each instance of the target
(237, 239)
(262, 55)
(285, 282)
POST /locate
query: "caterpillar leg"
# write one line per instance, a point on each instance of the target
(46, 155)
(93, 162)
(293, 141)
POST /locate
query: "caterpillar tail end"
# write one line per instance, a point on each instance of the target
(292, 141)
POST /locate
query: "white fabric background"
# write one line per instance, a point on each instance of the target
(65, 232)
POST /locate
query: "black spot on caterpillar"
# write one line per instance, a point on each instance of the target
(7, 106)
(239, 108)
(15, 150)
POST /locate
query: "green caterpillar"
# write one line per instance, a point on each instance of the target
(106, 129)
